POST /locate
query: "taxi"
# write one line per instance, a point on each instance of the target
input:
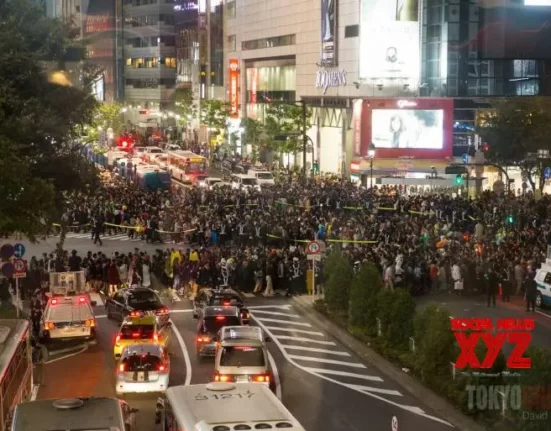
(142, 330)
(142, 368)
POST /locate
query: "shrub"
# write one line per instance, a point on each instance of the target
(362, 310)
(397, 318)
(338, 276)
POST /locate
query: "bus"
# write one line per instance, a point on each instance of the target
(16, 375)
(223, 406)
(186, 166)
(152, 178)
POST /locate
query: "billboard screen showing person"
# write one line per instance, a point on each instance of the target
(421, 129)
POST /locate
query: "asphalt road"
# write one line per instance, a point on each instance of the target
(322, 383)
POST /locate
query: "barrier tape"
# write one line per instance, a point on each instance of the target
(137, 228)
(348, 241)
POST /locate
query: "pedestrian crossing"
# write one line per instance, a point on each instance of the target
(314, 352)
(116, 237)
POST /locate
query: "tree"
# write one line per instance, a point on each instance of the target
(107, 116)
(514, 131)
(183, 103)
(215, 114)
(252, 130)
(338, 274)
(39, 119)
(365, 286)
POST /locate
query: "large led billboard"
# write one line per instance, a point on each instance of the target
(389, 42)
(408, 128)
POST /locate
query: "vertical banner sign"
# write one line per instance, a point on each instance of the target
(234, 88)
(328, 33)
(254, 83)
(357, 115)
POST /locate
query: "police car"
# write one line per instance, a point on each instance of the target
(543, 280)
(68, 318)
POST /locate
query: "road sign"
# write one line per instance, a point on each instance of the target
(19, 275)
(8, 270)
(19, 250)
(394, 423)
(547, 173)
(6, 251)
(19, 265)
(313, 248)
(316, 257)
(465, 158)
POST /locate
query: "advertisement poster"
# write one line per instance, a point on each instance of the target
(234, 88)
(328, 33)
(389, 42)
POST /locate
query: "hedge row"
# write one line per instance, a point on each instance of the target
(421, 341)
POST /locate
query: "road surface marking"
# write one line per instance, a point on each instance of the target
(306, 340)
(96, 297)
(301, 331)
(343, 374)
(326, 361)
(34, 393)
(312, 349)
(376, 390)
(78, 352)
(289, 358)
(183, 347)
(286, 322)
(277, 307)
(543, 314)
(248, 295)
(187, 310)
(276, 313)
(101, 316)
(275, 372)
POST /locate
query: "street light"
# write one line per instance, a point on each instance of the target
(371, 155)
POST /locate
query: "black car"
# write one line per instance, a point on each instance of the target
(135, 302)
(209, 297)
(209, 322)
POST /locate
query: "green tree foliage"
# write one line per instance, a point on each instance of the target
(252, 130)
(283, 119)
(515, 129)
(107, 115)
(362, 311)
(435, 347)
(215, 113)
(338, 274)
(396, 309)
(183, 103)
(39, 118)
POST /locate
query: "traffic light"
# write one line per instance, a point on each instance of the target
(458, 179)
(510, 219)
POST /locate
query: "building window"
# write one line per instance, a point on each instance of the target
(351, 31)
(170, 62)
(230, 9)
(269, 42)
(231, 43)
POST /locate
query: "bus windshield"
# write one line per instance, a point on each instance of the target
(195, 167)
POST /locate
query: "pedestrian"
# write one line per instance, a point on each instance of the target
(492, 282)
(506, 284)
(98, 229)
(531, 292)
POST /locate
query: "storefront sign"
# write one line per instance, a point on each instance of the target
(254, 83)
(330, 78)
(405, 104)
(357, 115)
(234, 88)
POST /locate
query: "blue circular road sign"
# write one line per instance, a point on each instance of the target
(19, 250)
(6, 251)
(8, 270)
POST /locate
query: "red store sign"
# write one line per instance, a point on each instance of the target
(234, 88)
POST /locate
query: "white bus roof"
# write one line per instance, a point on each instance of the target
(200, 407)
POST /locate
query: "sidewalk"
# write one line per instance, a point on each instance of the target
(442, 407)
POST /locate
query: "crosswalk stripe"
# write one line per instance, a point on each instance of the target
(313, 349)
(306, 340)
(327, 361)
(362, 388)
(286, 322)
(96, 297)
(343, 374)
(300, 331)
(275, 313)
(78, 235)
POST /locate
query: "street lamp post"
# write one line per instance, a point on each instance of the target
(371, 155)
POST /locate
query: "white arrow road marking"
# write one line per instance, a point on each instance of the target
(185, 352)
(301, 331)
(343, 374)
(291, 360)
(306, 340)
(277, 307)
(376, 390)
(276, 313)
(285, 322)
(312, 349)
(326, 361)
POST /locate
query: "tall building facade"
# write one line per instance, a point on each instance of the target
(149, 52)
(408, 76)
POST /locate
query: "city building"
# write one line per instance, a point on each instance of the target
(406, 77)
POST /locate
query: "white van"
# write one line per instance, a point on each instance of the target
(223, 406)
(543, 280)
(68, 318)
(263, 177)
(239, 181)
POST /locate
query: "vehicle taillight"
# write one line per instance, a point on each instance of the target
(82, 299)
(136, 314)
(222, 378)
(136, 334)
(156, 338)
(90, 323)
(262, 378)
(203, 339)
(54, 301)
(122, 368)
(49, 325)
(162, 311)
(220, 317)
(162, 368)
(227, 303)
(117, 339)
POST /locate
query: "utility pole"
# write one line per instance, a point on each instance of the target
(304, 140)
